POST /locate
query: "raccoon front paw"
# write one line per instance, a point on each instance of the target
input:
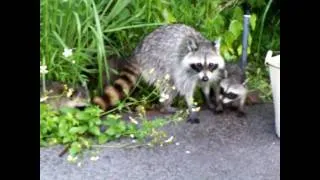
(218, 109)
(193, 120)
(170, 110)
(211, 106)
(233, 108)
(241, 114)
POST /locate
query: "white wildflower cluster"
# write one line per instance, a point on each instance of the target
(169, 140)
(71, 158)
(67, 52)
(43, 69)
(132, 120)
(70, 91)
(94, 158)
(151, 71)
(163, 97)
(42, 99)
(196, 109)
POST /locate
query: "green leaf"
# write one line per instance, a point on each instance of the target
(79, 130)
(95, 130)
(237, 13)
(239, 50)
(75, 148)
(121, 126)
(66, 110)
(168, 17)
(228, 38)
(118, 135)
(111, 131)
(67, 139)
(249, 40)
(253, 20)
(218, 24)
(235, 27)
(103, 139)
(83, 116)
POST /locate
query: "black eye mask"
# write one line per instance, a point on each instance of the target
(212, 67)
(231, 95)
(228, 95)
(197, 67)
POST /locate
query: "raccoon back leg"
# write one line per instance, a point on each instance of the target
(241, 112)
(166, 104)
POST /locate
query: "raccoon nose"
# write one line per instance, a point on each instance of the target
(205, 78)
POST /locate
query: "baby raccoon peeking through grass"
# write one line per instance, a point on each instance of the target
(58, 95)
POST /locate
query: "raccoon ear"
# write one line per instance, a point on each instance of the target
(216, 44)
(192, 45)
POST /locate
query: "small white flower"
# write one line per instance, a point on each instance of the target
(71, 158)
(43, 69)
(79, 164)
(151, 71)
(69, 93)
(43, 98)
(167, 77)
(94, 158)
(177, 143)
(173, 87)
(132, 120)
(67, 52)
(196, 109)
(180, 119)
(73, 61)
(169, 140)
(187, 152)
(131, 135)
(163, 97)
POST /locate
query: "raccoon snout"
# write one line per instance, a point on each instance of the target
(205, 78)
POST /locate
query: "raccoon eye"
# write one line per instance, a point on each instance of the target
(212, 66)
(231, 96)
(197, 67)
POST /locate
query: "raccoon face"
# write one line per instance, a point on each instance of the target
(79, 99)
(204, 60)
(231, 92)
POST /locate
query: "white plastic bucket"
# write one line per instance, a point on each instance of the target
(273, 62)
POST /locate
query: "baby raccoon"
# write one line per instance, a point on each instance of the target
(59, 97)
(233, 91)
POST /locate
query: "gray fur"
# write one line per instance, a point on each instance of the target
(58, 99)
(167, 51)
(234, 83)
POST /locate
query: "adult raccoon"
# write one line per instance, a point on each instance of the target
(174, 52)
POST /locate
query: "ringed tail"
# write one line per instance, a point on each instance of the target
(121, 87)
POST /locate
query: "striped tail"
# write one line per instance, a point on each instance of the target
(122, 86)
